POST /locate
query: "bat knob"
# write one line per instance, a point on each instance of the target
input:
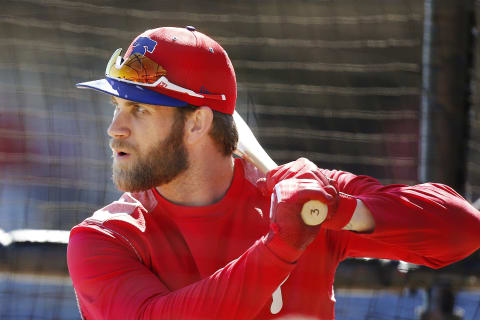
(314, 212)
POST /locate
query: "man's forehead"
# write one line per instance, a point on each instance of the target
(128, 103)
(118, 100)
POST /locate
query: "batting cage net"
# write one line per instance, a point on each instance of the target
(383, 88)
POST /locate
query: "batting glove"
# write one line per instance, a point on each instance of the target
(299, 169)
(287, 201)
(341, 206)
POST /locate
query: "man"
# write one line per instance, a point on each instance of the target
(195, 235)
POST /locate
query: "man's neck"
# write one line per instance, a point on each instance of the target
(205, 182)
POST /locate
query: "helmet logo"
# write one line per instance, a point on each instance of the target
(144, 44)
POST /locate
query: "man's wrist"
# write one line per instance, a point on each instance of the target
(281, 249)
(342, 216)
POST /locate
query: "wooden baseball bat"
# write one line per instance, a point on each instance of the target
(314, 212)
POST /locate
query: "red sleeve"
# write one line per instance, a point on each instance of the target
(428, 224)
(112, 283)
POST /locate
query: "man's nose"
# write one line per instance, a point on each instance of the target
(119, 126)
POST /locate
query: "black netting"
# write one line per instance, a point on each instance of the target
(338, 82)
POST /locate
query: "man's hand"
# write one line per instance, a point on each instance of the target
(340, 206)
(299, 169)
(288, 198)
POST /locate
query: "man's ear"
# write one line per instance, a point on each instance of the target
(198, 124)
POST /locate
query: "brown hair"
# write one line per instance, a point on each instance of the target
(223, 131)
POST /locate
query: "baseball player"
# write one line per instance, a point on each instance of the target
(199, 234)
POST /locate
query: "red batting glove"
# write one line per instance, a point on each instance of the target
(300, 169)
(340, 205)
(287, 202)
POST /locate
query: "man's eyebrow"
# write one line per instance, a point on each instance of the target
(127, 103)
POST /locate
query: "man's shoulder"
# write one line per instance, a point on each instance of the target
(130, 208)
(123, 221)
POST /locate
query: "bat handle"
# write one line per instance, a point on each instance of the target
(314, 212)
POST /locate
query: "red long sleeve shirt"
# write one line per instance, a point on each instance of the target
(143, 257)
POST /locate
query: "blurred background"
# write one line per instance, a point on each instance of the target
(378, 87)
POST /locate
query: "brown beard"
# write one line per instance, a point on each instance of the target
(159, 166)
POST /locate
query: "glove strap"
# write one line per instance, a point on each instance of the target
(342, 216)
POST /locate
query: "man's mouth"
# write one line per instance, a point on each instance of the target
(120, 154)
(120, 149)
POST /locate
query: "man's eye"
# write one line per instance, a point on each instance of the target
(140, 109)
